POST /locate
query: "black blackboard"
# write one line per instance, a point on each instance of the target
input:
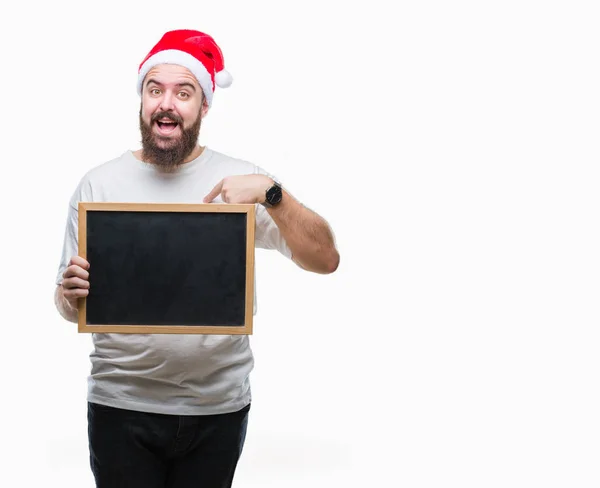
(167, 268)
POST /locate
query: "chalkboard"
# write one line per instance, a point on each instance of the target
(167, 268)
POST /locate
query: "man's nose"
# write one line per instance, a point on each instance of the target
(166, 102)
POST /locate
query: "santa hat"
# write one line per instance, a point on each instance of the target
(196, 51)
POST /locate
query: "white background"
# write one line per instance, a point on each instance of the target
(453, 148)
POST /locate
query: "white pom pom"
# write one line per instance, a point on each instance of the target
(223, 79)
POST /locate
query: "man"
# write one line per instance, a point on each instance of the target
(170, 410)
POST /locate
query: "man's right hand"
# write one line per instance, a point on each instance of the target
(75, 283)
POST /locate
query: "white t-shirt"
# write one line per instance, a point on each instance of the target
(180, 374)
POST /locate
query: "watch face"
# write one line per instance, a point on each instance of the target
(274, 195)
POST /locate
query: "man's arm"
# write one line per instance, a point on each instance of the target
(307, 234)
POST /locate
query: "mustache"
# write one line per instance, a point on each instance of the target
(167, 115)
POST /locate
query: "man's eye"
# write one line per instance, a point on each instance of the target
(183, 95)
(155, 91)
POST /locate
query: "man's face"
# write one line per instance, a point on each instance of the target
(171, 112)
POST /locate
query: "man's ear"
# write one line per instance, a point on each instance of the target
(205, 107)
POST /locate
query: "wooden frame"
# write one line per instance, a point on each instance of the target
(248, 209)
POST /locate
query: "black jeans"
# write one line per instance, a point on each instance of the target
(131, 449)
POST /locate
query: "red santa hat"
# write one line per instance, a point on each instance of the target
(196, 51)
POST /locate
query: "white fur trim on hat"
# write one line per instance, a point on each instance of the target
(181, 58)
(223, 79)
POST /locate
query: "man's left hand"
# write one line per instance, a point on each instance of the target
(241, 189)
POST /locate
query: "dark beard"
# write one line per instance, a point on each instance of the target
(168, 158)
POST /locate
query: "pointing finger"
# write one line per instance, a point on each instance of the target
(214, 192)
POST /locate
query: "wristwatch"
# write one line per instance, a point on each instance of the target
(273, 195)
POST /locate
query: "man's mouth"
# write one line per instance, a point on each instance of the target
(166, 126)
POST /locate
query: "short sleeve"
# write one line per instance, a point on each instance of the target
(70, 243)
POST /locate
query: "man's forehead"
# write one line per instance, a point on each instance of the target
(171, 73)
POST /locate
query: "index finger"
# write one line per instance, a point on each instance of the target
(79, 261)
(214, 192)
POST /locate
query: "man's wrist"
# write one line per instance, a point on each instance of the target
(68, 306)
(273, 195)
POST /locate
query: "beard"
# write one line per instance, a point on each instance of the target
(172, 152)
